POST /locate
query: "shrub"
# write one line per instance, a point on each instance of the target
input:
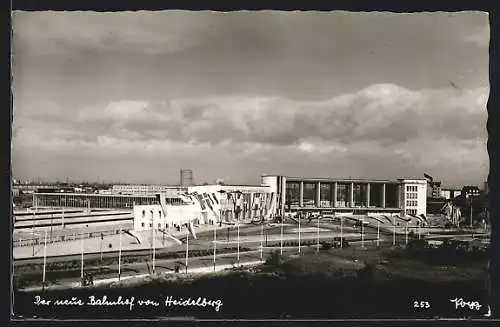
(274, 259)
(326, 246)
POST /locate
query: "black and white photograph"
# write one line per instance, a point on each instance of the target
(250, 165)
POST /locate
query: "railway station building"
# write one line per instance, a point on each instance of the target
(348, 196)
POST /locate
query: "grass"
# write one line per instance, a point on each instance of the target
(327, 284)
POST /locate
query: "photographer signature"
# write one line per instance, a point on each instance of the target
(461, 303)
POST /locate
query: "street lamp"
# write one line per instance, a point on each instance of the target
(378, 233)
(237, 221)
(362, 234)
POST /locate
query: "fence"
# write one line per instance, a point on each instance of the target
(40, 239)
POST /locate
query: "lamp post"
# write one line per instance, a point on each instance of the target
(154, 246)
(187, 248)
(120, 256)
(406, 232)
(378, 233)
(100, 245)
(299, 231)
(393, 231)
(237, 222)
(261, 239)
(44, 259)
(282, 222)
(51, 219)
(33, 233)
(238, 227)
(81, 269)
(317, 237)
(362, 234)
(341, 232)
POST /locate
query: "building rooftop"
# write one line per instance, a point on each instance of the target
(333, 179)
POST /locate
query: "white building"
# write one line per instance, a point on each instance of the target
(147, 216)
(208, 204)
(449, 193)
(413, 196)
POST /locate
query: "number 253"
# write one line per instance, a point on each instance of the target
(421, 304)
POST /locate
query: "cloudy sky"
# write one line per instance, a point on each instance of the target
(133, 97)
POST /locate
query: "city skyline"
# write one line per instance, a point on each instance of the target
(135, 97)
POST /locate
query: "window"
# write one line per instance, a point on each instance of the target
(143, 213)
(142, 224)
(159, 225)
(159, 214)
(151, 225)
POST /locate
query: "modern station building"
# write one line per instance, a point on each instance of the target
(206, 205)
(348, 196)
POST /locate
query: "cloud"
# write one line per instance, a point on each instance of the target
(386, 113)
(45, 33)
(380, 125)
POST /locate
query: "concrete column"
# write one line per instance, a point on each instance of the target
(301, 193)
(351, 195)
(368, 195)
(383, 196)
(318, 194)
(334, 195)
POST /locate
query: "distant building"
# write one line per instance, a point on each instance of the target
(186, 177)
(471, 191)
(144, 189)
(450, 193)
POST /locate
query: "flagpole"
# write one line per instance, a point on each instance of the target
(378, 233)
(120, 256)
(299, 232)
(44, 259)
(187, 248)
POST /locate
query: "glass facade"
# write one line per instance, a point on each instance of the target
(342, 195)
(96, 201)
(292, 193)
(309, 194)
